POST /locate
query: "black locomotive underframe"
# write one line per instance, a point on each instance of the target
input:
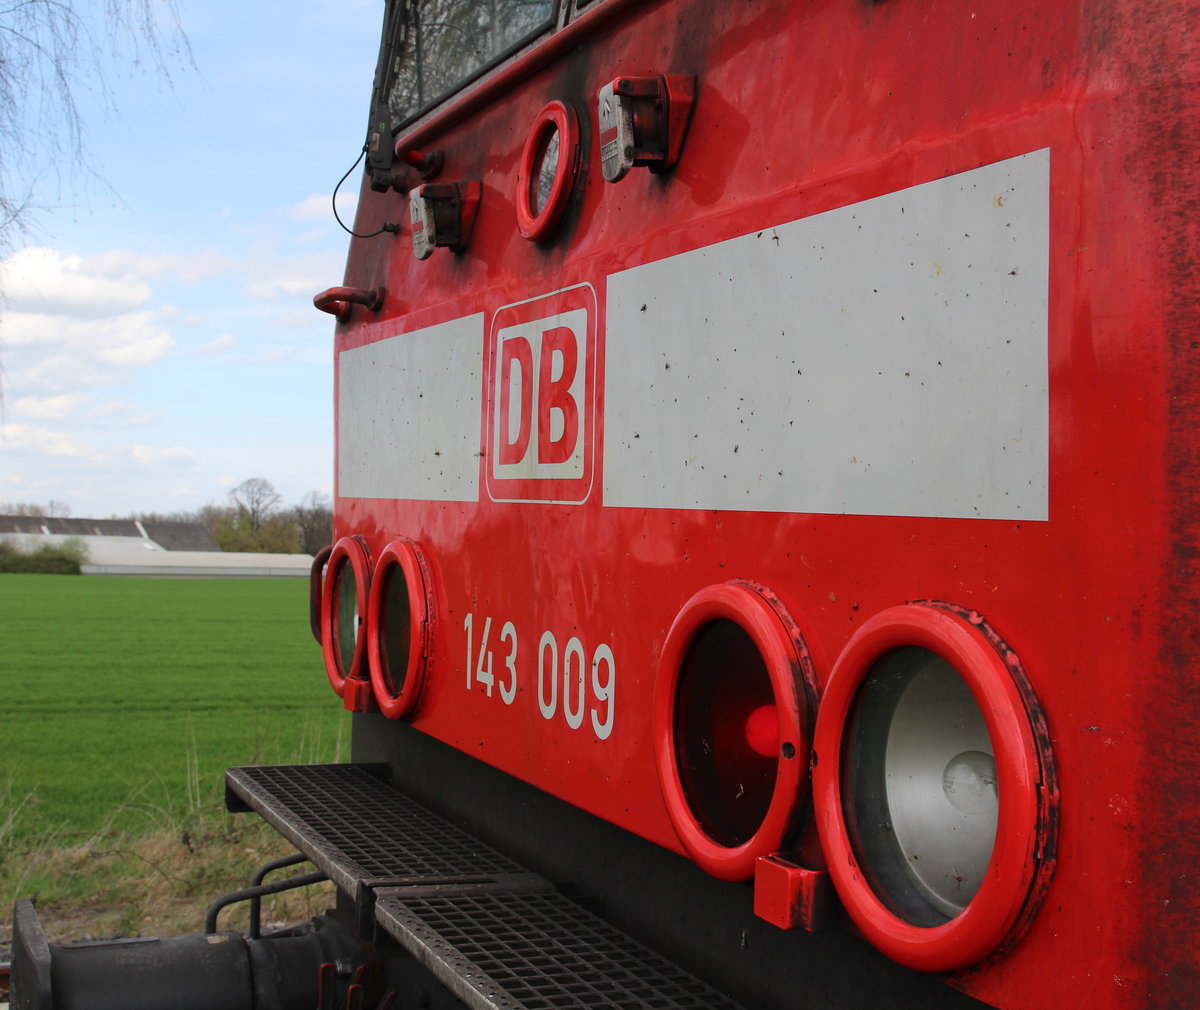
(661, 900)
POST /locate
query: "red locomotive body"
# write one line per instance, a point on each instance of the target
(892, 364)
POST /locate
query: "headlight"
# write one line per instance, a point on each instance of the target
(731, 727)
(919, 786)
(399, 623)
(934, 787)
(343, 610)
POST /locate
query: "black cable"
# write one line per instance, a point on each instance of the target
(386, 226)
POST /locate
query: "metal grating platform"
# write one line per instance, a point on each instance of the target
(537, 952)
(496, 935)
(363, 833)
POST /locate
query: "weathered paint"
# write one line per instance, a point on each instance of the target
(408, 411)
(885, 358)
(803, 112)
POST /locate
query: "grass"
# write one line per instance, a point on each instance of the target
(125, 700)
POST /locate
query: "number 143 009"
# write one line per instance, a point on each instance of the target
(570, 684)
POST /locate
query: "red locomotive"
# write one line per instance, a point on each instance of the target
(766, 464)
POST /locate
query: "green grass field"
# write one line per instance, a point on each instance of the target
(126, 698)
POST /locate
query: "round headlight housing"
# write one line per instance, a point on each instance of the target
(732, 704)
(343, 612)
(400, 628)
(935, 786)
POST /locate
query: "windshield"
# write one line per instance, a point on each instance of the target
(431, 47)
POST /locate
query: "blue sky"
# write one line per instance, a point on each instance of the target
(158, 342)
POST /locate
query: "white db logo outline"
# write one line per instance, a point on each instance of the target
(540, 410)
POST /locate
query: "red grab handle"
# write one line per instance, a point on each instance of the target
(315, 575)
(337, 301)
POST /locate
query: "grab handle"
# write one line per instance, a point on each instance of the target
(337, 301)
(314, 591)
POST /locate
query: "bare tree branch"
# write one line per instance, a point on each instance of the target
(50, 50)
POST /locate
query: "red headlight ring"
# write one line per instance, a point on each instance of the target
(537, 225)
(1024, 798)
(788, 667)
(407, 557)
(347, 551)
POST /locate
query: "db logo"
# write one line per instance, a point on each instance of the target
(542, 392)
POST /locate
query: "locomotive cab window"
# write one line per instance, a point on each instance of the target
(433, 47)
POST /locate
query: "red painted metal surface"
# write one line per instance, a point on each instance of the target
(802, 110)
(793, 897)
(338, 301)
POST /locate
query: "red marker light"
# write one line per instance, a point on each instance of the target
(730, 710)
(762, 730)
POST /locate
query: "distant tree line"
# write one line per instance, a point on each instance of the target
(53, 509)
(252, 518)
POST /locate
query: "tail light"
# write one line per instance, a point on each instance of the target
(400, 626)
(731, 727)
(343, 610)
(935, 787)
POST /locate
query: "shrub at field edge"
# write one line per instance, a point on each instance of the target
(64, 558)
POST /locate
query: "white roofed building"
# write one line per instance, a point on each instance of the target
(131, 547)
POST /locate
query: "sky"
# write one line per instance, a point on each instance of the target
(158, 340)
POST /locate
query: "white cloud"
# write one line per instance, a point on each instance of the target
(218, 345)
(47, 442)
(22, 329)
(112, 408)
(149, 455)
(142, 420)
(295, 276)
(275, 287)
(203, 266)
(126, 264)
(59, 372)
(124, 413)
(44, 281)
(130, 340)
(67, 351)
(15, 486)
(318, 207)
(263, 290)
(47, 408)
(275, 356)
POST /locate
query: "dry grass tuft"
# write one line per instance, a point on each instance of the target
(160, 884)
